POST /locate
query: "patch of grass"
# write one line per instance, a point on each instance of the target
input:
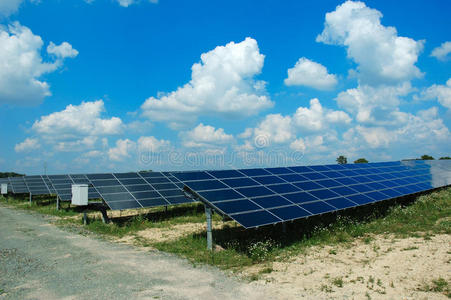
(338, 281)
(326, 288)
(439, 285)
(409, 248)
(266, 270)
(41, 204)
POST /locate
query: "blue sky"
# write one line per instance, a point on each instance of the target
(118, 85)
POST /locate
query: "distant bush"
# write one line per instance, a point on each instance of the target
(427, 157)
(361, 161)
(10, 174)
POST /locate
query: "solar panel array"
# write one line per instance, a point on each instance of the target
(62, 185)
(252, 197)
(36, 185)
(138, 190)
(18, 185)
(257, 197)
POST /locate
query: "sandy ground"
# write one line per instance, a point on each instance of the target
(385, 268)
(41, 261)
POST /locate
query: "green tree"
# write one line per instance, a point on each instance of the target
(361, 161)
(341, 160)
(10, 174)
(445, 157)
(426, 157)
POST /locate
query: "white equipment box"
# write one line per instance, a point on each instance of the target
(80, 194)
(4, 188)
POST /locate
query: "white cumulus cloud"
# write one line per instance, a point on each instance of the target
(374, 105)
(62, 51)
(309, 73)
(440, 92)
(382, 56)
(77, 127)
(441, 52)
(75, 120)
(221, 84)
(8, 7)
(127, 3)
(206, 135)
(307, 121)
(21, 65)
(122, 150)
(28, 144)
(152, 144)
(317, 117)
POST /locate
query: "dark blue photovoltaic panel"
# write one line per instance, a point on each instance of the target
(300, 197)
(36, 185)
(221, 195)
(240, 182)
(279, 170)
(308, 185)
(18, 185)
(143, 189)
(293, 177)
(317, 207)
(204, 185)
(271, 201)
(255, 172)
(188, 176)
(268, 179)
(283, 188)
(254, 191)
(260, 218)
(290, 212)
(324, 194)
(360, 199)
(230, 207)
(340, 203)
(329, 183)
(225, 174)
(256, 197)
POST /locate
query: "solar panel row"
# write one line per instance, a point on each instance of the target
(137, 190)
(18, 185)
(257, 197)
(36, 185)
(253, 197)
(62, 185)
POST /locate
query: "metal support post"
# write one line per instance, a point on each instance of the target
(30, 198)
(105, 218)
(209, 234)
(57, 202)
(85, 218)
(165, 209)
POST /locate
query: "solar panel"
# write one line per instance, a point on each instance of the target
(138, 190)
(36, 185)
(62, 184)
(257, 197)
(18, 185)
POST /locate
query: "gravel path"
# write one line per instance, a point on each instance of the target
(41, 261)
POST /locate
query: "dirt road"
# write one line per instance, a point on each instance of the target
(40, 261)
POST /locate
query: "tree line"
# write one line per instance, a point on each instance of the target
(344, 160)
